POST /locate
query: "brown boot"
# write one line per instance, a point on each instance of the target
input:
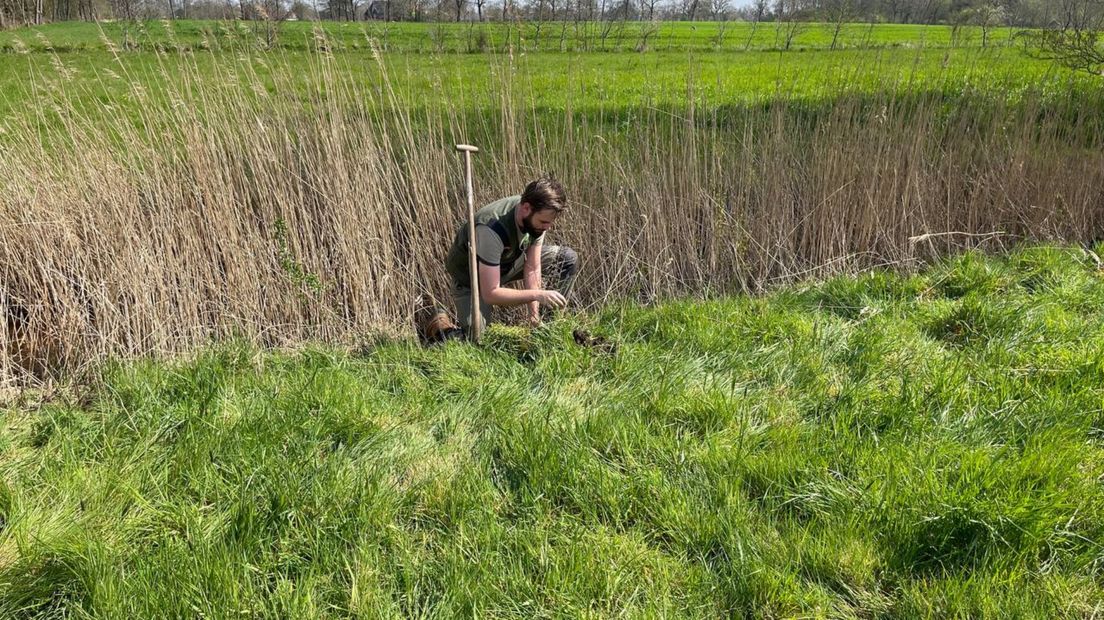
(434, 325)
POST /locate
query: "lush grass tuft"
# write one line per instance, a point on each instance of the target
(882, 445)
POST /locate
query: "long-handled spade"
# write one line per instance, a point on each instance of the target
(473, 268)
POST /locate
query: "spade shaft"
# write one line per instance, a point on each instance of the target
(473, 267)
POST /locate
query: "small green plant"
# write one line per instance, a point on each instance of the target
(291, 267)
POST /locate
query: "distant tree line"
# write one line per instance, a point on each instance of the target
(1055, 14)
(1015, 13)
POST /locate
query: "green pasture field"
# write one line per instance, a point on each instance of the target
(495, 36)
(550, 81)
(77, 64)
(882, 445)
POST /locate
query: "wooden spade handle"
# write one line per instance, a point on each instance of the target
(473, 268)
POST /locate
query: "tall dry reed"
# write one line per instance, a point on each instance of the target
(252, 200)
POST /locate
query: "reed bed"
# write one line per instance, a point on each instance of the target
(249, 198)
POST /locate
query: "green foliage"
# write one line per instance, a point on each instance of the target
(292, 267)
(878, 445)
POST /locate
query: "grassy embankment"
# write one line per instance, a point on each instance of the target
(886, 445)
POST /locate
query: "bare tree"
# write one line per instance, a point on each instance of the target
(563, 24)
(607, 24)
(686, 9)
(787, 14)
(582, 15)
(1078, 43)
(838, 13)
(1081, 50)
(1076, 15)
(539, 18)
(614, 18)
(758, 12)
(926, 10)
(718, 10)
(647, 30)
(986, 17)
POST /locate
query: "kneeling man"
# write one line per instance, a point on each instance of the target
(509, 235)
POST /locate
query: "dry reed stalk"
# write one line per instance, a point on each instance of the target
(206, 204)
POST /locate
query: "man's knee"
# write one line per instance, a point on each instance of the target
(569, 261)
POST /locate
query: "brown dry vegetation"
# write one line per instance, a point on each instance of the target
(284, 214)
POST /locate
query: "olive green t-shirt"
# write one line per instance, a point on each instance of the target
(498, 241)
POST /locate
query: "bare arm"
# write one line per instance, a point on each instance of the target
(532, 279)
(492, 292)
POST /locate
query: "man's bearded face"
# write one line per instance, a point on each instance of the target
(538, 222)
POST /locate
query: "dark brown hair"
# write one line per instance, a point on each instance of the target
(545, 193)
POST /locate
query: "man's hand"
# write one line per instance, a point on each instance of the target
(551, 298)
(534, 321)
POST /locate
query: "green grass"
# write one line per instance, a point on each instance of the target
(678, 69)
(549, 81)
(882, 445)
(492, 36)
